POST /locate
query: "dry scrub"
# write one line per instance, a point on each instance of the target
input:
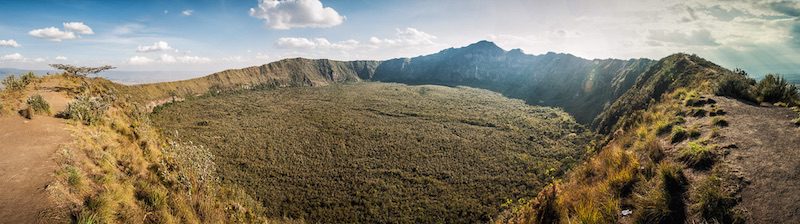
(378, 153)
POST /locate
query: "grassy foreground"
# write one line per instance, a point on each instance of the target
(372, 152)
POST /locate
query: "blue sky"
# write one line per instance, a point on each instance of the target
(176, 35)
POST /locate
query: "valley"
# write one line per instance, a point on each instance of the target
(379, 153)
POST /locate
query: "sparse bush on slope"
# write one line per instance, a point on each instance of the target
(736, 86)
(774, 88)
(38, 104)
(85, 109)
(12, 83)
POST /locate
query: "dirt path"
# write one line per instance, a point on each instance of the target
(27, 165)
(768, 154)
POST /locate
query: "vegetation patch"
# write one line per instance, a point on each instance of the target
(697, 155)
(38, 104)
(663, 202)
(377, 153)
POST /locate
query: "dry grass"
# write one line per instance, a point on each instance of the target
(376, 152)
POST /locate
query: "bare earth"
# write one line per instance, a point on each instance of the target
(27, 151)
(768, 155)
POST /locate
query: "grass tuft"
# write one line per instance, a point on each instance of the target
(697, 155)
(38, 104)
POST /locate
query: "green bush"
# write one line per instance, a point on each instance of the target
(774, 88)
(739, 87)
(38, 104)
(88, 110)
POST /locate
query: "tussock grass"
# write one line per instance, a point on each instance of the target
(719, 122)
(697, 155)
(712, 203)
(663, 203)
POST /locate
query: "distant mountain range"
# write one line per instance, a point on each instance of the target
(121, 76)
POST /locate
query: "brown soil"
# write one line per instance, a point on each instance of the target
(768, 155)
(27, 165)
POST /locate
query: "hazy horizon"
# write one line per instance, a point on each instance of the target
(213, 35)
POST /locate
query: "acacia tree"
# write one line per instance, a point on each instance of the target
(72, 70)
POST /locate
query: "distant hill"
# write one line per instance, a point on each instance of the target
(582, 87)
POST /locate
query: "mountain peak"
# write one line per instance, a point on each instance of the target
(484, 44)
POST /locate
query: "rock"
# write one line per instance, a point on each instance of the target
(26, 113)
(626, 212)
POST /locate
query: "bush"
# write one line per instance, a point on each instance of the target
(739, 87)
(38, 104)
(774, 88)
(28, 78)
(88, 110)
(12, 83)
(697, 155)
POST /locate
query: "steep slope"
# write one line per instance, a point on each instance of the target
(678, 154)
(287, 72)
(582, 87)
(668, 74)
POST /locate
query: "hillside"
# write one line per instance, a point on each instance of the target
(681, 150)
(379, 153)
(287, 72)
(582, 87)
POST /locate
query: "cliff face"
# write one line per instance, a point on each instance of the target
(287, 72)
(582, 87)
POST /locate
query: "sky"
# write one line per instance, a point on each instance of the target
(211, 35)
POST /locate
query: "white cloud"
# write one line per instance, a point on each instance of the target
(61, 58)
(9, 43)
(12, 57)
(233, 59)
(78, 27)
(316, 43)
(405, 37)
(39, 60)
(157, 46)
(289, 14)
(193, 59)
(140, 60)
(53, 34)
(260, 56)
(187, 12)
(168, 58)
(57, 35)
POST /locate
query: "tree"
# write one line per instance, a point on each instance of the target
(72, 70)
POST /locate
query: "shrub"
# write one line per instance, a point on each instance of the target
(28, 78)
(678, 134)
(739, 87)
(88, 110)
(711, 202)
(12, 83)
(774, 88)
(663, 203)
(38, 104)
(697, 155)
